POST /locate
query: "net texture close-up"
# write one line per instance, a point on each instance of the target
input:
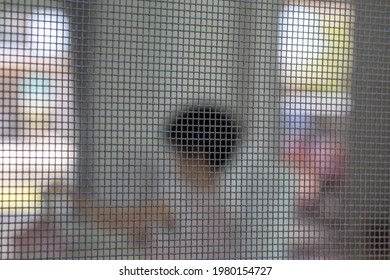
(195, 129)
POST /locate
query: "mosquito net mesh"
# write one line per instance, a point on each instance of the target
(194, 129)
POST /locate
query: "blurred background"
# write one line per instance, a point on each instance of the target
(194, 129)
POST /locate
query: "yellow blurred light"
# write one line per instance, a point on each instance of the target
(18, 199)
(316, 47)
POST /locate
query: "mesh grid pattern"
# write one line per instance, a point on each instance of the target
(195, 129)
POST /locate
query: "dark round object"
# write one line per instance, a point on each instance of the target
(204, 132)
